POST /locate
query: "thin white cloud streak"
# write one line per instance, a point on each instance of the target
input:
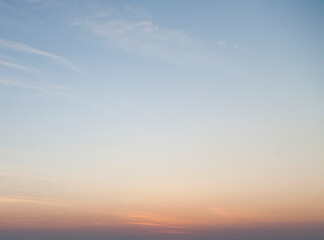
(23, 85)
(48, 91)
(140, 35)
(16, 66)
(143, 30)
(220, 43)
(144, 37)
(28, 49)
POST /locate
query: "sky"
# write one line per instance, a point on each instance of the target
(161, 120)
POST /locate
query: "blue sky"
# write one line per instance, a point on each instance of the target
(139, 99)
(182, 59)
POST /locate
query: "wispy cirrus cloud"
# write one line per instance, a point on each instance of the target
(16, 66)
(53, 92)
(23, 85)
(31, 50)
(144, 35)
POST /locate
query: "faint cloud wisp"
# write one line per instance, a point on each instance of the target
(28, 49)
(143, 35)
(53, 92)
(16, 66)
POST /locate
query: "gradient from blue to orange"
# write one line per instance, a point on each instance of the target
(161, 119)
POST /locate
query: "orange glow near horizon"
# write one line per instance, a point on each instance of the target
(19, 213)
